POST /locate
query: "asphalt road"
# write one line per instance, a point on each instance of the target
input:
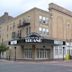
(33, 67)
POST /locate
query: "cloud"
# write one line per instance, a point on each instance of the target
(16, 7)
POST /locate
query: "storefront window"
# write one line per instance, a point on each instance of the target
(28, 53)
(42, 53)
(60, 51)
(56, 50)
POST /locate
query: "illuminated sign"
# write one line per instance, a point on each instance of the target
(58, 42)
(33, 39)
(13, 42)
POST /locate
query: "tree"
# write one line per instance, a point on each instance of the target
(3, 48)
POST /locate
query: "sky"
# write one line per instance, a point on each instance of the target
(16, 7)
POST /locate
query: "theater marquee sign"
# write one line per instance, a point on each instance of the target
(33, 39)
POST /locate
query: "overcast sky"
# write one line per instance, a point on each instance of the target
(16, 7)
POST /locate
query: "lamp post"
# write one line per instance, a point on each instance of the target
(15, 53)
(63, 52)
(70, 47)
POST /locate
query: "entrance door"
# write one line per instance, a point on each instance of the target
(48, 53)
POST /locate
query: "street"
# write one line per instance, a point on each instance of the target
(35, 67)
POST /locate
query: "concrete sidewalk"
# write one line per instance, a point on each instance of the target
(45, 62)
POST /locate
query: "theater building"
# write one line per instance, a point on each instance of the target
(37, 34)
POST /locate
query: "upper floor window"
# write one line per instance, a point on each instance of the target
(43, 20)
(40, 19)
(19, 34)
(10, 27)
(13, 35)
(29, 30)
(13, 25)
(68, 25)
(7, 35)
(19, 22)
(47, 31)
(2, 40)
(28, 19)
(40, 29)
(43, 30)
(46, 20)
(7, 27)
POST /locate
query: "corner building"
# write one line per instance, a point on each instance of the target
(38, 34)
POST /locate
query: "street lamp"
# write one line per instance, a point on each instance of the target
(15, 53)
(63, 52)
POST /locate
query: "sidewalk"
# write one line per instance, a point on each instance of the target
(41, 62)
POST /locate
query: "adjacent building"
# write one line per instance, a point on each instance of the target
(37, 34)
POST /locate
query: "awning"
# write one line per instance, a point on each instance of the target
(33, 38)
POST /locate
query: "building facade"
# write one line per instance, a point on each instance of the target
(38, 34)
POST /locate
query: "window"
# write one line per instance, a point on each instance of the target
(40, 29)
(43, 19)
(7, 35)
(56, 50)
(71, 52)
(19, 22)
(10, 28)
(47, 31)
(46, 20)
(27, 31)
(28, 19)
(19, 34)
(28, 53)
(13, 35)
(68, 50)
(40, 19)
(43, 30)
(7, 27)
(60, 51)
(43, 53)
(13, 25)
(24, 21)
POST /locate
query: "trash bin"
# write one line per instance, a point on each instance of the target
(67, 57)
